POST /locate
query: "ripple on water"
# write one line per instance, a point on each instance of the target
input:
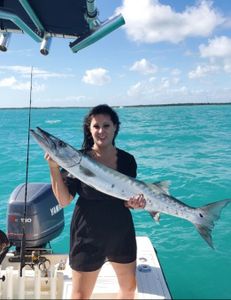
(189, 146)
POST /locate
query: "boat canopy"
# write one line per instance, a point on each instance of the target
(43, 20)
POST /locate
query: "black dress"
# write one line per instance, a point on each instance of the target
(102, 227)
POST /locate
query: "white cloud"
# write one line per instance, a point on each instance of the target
(152, 79)
(21, 77)
(227, 66)
(175, 72)
(135, 90)
(149, 21)
(162, 90)
(7, 82)
(146, 89)
(37, 87)
(14, 84)
(219, 47)
(202, 71)
(175, 80)
(97, 76)
(25, 71)
(144, 66)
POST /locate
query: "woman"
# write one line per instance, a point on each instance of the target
(102, 227)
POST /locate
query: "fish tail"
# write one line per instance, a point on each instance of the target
(206, 217)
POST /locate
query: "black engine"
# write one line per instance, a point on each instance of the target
(44, 219)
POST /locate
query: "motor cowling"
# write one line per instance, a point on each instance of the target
(43, 220)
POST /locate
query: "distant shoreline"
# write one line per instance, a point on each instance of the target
(124, 106)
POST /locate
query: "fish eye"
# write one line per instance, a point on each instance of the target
(61, 144)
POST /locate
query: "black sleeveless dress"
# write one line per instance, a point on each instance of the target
(102, 228)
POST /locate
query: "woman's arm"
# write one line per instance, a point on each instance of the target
(59, 188)
(129, 167)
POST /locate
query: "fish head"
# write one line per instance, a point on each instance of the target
(62, 153)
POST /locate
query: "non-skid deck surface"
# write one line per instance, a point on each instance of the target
(151, 283)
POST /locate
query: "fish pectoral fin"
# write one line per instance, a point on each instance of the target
(162, 186)
(155, 215)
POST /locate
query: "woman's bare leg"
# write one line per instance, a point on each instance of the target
(126, 274)
(83, 284)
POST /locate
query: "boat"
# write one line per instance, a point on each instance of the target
(29, 267)
(55, 282)
(43, 274)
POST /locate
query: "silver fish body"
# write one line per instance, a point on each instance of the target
(118, 185)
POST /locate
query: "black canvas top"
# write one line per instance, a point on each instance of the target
(57, 17)
(44, 19)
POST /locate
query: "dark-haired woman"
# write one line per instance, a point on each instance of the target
(102, 228)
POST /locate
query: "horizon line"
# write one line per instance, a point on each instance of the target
(124, 106)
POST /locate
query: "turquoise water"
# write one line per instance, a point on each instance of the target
(188, 145)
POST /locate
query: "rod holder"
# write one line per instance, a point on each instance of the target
(4, 41)
(102, 30)
(91, 9)
(45, 45)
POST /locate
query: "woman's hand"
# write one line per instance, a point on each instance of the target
(50, 161)
(136, 202)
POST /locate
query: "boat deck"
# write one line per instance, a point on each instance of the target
(57, 284)
(151, 283)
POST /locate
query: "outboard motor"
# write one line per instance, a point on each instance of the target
(44, 216)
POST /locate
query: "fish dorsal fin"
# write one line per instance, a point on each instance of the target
(162, 185)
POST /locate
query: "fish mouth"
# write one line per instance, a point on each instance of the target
(45, 139)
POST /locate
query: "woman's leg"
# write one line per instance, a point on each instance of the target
(126, 274)
(83, 284)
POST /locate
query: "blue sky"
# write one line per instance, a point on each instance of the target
(169, 51)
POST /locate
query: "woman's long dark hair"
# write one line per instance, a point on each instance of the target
(102, 109)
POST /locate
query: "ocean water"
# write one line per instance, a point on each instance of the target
(188, 145)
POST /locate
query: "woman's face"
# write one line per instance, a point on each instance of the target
(102, 130)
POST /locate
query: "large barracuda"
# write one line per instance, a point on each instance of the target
(118, 185)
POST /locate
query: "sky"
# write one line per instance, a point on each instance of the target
(168, 52)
